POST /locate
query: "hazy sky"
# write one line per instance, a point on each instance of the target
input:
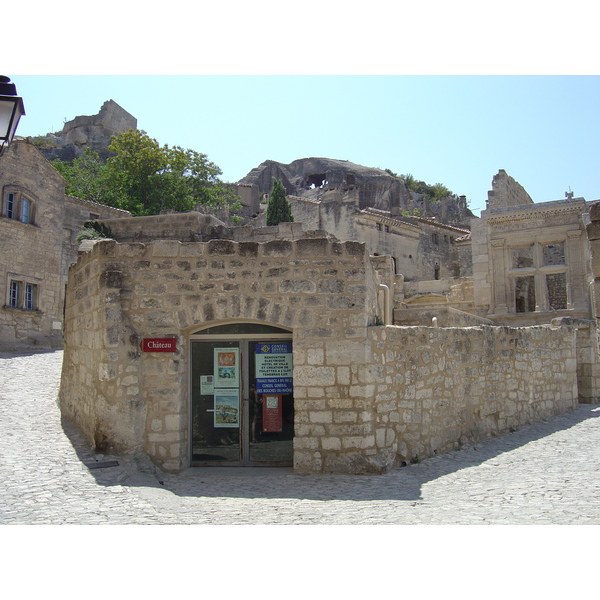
(447, 92)
(456, 130)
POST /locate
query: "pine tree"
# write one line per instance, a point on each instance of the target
(279, 209)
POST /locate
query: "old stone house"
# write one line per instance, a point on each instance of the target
(353, 340)
(169, 343)
(38, 226)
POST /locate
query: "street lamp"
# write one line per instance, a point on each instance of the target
(11, 110)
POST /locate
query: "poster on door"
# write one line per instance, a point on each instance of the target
(274, 368)
(227, 408)
(227, 368)
(272, 413)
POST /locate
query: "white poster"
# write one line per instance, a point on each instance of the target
(227, 368)
(207, 387)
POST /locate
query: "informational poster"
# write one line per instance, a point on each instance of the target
(274, 368)
(227, 368)
(207, 387)
(272, 413)
(227, 408)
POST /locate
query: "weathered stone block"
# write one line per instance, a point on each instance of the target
(223, 247)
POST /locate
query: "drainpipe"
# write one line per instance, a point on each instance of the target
(386, 303)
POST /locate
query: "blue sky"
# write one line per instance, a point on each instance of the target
(456, 130)
(448, 92)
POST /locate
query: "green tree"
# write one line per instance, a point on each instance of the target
(87, 178)
(144, 177)
(279, 209)
(152, 178)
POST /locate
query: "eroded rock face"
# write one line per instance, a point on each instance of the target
(92, 132)
(311, 176)
(371, 187)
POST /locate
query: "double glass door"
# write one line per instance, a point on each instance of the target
(242, 400)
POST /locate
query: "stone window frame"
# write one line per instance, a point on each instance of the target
(539, 272)
(18, 205)
(22, 293)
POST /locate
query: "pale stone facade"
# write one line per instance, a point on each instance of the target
(366, 398)
(531, 262)
(38, 225)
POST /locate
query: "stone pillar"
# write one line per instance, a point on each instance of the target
(576, 292)
(499, 275)
(541, 295)
(593, 235)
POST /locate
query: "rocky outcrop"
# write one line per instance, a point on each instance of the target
(310, 177)
(87, 132)
(373, 188)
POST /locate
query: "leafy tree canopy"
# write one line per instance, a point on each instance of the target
(279, 209)
(435, 192)
(145, 177)
(87, 178)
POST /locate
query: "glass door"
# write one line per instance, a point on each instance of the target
(216, 402)
(271, 402)
(242, 400)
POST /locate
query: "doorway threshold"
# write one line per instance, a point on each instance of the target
(236, 471)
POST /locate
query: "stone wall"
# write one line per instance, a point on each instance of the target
(507, 192)
(436, 389)
(323, 291)
(366, 398)
(37, 252)
(185, 227)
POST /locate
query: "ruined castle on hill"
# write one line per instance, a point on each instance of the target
(373, 336)
(306, 178)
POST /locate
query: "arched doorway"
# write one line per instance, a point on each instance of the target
(242, 399)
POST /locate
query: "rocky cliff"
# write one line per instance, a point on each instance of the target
(84, 132)
(376, 188)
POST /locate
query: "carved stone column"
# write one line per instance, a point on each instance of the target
(541, 294)
(576, 292)
(499, 277)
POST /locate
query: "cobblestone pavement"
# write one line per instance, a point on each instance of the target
(546, 473)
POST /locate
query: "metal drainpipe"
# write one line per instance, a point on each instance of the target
(386, 303)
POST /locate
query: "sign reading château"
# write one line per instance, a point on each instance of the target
(159, 345)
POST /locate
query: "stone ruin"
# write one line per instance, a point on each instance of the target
(92, 132)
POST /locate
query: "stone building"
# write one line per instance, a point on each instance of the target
(168, 344)
(356, 339)
(177, 326)
(531, 262)
(38, 226)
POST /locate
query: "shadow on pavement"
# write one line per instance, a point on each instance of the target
(404, 483)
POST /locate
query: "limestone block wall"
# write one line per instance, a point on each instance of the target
(406, 393)
(366, 398)
(129, 401)
(186, 227)
(31, 252)
(435, 389)
(38, 252)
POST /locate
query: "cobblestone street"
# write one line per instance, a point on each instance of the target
(546, 473)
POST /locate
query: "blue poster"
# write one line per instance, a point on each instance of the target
(274, 368)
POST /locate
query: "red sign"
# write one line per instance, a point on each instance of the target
(272, 412)
(159, 345)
